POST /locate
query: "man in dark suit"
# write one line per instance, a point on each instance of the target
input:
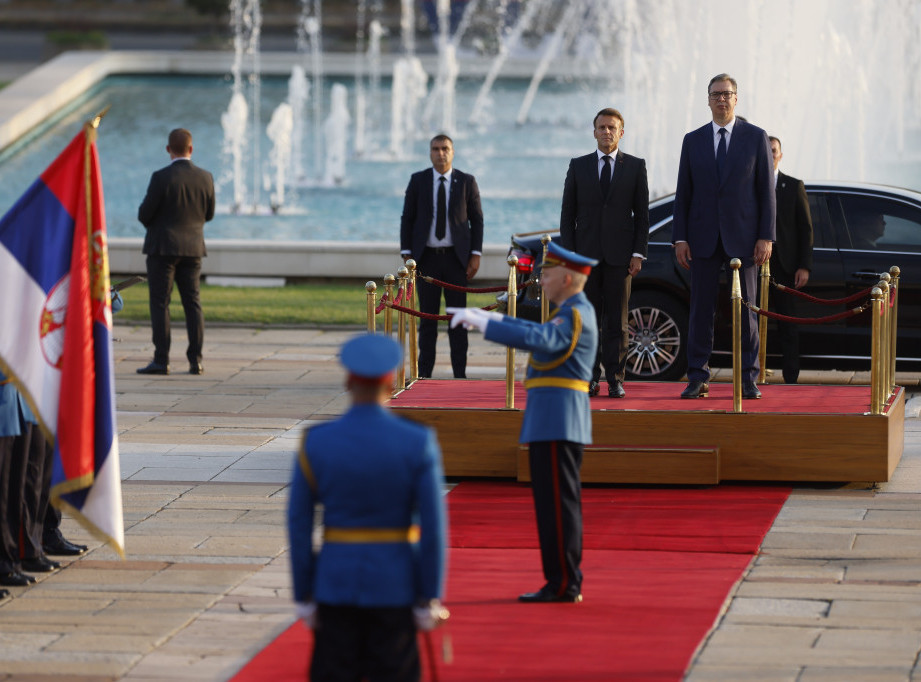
(605, 216)
(791, 258)
(179, 201)
(442, 229)
(724, 209)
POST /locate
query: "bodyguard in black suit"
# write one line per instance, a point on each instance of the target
(605, 216)
(724, 209)
(179, 201)
(791, 259)
(442, 229)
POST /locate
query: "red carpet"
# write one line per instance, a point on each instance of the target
(658, 566)
(651, 396)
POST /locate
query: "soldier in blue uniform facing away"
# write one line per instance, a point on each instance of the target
(557, 419)
(379, 576)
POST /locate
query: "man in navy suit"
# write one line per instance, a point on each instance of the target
(605, 216)
(442, 229)
(724, 208)
(791, 259)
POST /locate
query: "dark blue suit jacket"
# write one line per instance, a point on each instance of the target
(741, 208)
(465, 215)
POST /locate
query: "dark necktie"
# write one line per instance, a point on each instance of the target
(441, 211)
(721, 153)
(605, 175)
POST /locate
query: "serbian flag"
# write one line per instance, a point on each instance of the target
(56, 331)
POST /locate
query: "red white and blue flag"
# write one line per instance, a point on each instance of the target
(56, 331)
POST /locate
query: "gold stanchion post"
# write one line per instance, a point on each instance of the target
(403, 275)
(371, 288)
(884, 342)
(411, 303)
(876, 296)
(389, 281)
(894, 273)
(762, 320)
(544, 301)
(512, 312)
(736, 296)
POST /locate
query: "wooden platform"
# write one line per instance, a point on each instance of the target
(794, 433)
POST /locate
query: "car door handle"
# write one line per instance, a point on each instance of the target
(866, 274)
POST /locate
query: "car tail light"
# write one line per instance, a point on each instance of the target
(525, 263)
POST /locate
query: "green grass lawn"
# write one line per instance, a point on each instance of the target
(297, 304)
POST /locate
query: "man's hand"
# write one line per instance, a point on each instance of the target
(762, 251)
(473, 265)
(683, 254)
(636, 264)
(429, 615)
(800, 278)
(307, 612)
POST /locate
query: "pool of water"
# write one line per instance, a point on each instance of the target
(520, 169)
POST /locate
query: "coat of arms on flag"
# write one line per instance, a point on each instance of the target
(56, 330)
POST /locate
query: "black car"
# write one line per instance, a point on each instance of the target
(844, 262)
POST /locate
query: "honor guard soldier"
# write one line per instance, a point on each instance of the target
(557, 419)
(379, 575)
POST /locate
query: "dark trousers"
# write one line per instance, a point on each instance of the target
(705, 281)
(15, 516)
(36, 493)
(353, 644)
(557, 491)
(162, 271)
(608, 290)
(9, 546)
(787, 333)
(443, 264)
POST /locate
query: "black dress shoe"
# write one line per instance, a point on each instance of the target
(593, 388)
(4, 594)
(63, 547)
(749, 390)
(545, 595)
(40, 564)
(196, 368)
(616, 389)
(16, 579)
(154, 368)
(696, 389)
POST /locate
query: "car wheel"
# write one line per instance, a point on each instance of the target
(658, 337)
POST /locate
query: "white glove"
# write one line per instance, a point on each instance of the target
(307, 612)
(471, 318)
(430, 615)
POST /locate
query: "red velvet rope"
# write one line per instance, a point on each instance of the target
(409, 290)
(469, 290)
(807, 320)
(431, 316)
(383, 304)
(831, 301)
(893, 292)
(399, 297)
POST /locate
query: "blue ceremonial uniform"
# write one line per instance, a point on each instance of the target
(372, 471)
(557, 424)
(557, 407)
(379, 480)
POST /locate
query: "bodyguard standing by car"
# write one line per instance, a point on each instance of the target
(378, 577)
(605, 216)
(791, 258)
(178, 203)
(724, 209)
(442, 229)
(557, 419)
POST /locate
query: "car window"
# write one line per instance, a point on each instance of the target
(822, 234)
(881, 224)
(662, 234)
